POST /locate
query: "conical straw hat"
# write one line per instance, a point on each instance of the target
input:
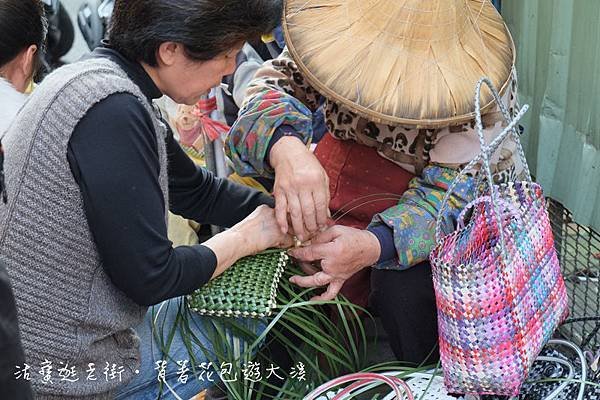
(408, 62)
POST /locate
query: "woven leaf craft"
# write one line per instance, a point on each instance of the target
(247, 289)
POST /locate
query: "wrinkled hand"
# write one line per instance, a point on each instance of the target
(301, 188)
(343, 251)
(261, 231)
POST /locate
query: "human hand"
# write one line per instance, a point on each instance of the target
(301, 188)
(343, 251)
(261, 231)
(255, 233)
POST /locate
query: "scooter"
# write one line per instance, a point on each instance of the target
(61, 33)
(93, 19)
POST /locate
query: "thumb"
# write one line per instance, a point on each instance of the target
(332, 290)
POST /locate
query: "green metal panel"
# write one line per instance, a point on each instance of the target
(558, 61)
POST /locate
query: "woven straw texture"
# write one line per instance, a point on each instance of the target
(246, 289)
(408, 62)
(499, 289)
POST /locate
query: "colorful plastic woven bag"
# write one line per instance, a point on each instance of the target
(498, 284)
(247, 289)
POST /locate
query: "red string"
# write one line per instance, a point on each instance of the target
(211, 128)
(207, 105)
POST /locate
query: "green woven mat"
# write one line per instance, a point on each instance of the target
(247, 289)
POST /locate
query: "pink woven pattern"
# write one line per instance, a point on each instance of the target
(498, 285)
(496, 312)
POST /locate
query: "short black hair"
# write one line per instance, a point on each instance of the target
(205, 28)
(22, 23)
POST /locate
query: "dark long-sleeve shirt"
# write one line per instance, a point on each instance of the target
(113, 155)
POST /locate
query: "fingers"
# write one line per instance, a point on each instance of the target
(268, 229)
(286, 242)
(281, 212)
(295, 211)
(316, 280)
(332, 291)
(308, 211)
(313, 252)
(321, 208)
(308, 268)
(326, 236)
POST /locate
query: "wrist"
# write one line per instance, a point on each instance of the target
(285, 148)
(373, 246)
(239, 239)
(228, 247)
(385, 235)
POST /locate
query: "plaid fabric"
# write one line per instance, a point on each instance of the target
(495, 310)
(499, 288)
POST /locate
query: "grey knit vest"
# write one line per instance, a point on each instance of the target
(69, 310)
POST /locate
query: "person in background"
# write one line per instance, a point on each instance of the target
(23, 30)
(91, 171)
(12, 363)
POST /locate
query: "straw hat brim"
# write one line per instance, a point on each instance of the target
(311, 60)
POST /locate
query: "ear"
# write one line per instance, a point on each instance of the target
(28, 61)
(167, 53)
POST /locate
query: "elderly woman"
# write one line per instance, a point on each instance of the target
(91, 171)
(396, 80)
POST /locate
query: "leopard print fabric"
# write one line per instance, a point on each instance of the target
(399, 143)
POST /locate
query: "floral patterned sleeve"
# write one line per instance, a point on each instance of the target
(412, 221)
(277, 96)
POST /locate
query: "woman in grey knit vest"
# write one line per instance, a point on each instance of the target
(91, 171)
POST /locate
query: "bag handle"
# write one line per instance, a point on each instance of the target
(487, 199)
(486, 152)
(361, 379)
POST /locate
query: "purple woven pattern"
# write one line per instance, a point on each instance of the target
(497, 305)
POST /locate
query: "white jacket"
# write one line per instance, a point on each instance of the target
(11, 102)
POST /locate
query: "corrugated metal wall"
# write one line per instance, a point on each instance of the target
(558, 60)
